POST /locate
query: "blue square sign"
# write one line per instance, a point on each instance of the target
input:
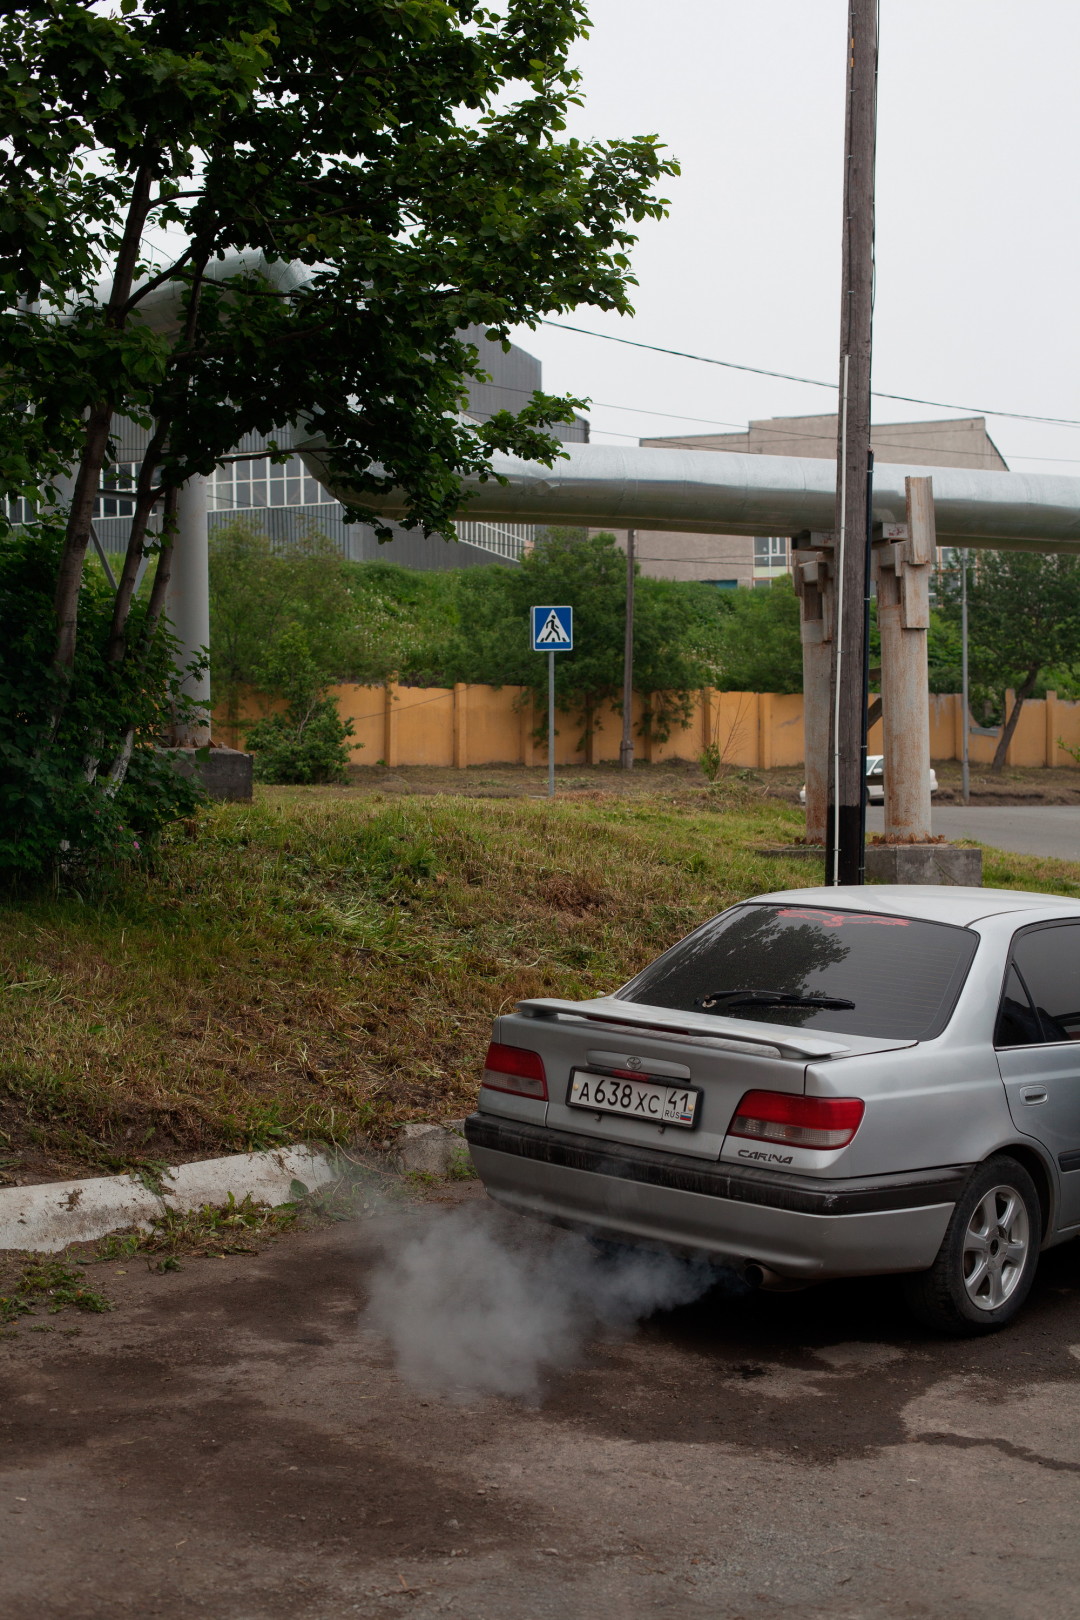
(553, 629)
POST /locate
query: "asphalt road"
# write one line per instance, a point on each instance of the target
(1041, 829)
(227, 1442)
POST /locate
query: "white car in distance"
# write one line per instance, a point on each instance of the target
(875, 780)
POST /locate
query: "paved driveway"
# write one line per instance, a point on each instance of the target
(1040, 829)
(228, 1443)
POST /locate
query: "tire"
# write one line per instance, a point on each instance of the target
(987, 1261)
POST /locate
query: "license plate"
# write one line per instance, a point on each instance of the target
(651, 1100)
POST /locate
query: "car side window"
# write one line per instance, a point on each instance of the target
(1048, 960)
(1017, 1024)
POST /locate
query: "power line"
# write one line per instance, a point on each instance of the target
(760, 426)
(813, 382)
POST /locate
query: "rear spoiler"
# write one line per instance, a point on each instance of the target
(732, 1033)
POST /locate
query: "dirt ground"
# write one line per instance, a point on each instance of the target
(1019, 785)
(229, 1442)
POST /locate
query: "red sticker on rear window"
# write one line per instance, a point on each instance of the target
(843, 919)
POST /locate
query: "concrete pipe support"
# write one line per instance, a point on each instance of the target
(902, 565)
(187, 604)
(815, 584)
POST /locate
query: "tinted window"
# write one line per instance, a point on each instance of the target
(902, 974)
(1049, 963)
(1017, 1024)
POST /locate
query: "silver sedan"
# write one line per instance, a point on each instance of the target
(816, 1083)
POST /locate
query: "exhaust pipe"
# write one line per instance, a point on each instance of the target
(769, 1281)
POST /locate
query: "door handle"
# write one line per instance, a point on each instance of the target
(1033, 1094)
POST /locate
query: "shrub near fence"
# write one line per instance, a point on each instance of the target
(490, 725)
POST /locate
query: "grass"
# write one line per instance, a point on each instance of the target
(214, 1229)
(51, 1283)
(325, 964)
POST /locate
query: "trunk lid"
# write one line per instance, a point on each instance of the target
(720, 1057)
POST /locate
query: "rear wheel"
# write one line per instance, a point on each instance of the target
(986, 1264)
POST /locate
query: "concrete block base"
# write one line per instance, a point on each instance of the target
(433, 1150)
(225, 774)
(924, 863)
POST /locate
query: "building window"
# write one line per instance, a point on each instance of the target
(19, 509)
(115, 480)
(241, 485)
(722, 584)
(771, 552)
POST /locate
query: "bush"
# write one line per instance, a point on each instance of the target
(310, 741)
(67, 804)
(314, 748)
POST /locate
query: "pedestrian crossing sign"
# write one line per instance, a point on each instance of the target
(553, 629)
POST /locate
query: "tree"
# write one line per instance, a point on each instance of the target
(760, 646)
(674, 631)
(1024, 617)
(404, 153)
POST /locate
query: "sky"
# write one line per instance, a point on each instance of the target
(978, 234)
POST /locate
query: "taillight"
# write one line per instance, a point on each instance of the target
(514, 1069)
(812, 1122)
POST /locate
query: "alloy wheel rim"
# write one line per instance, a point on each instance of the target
(996, 1247)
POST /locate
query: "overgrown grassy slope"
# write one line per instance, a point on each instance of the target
(325, 964)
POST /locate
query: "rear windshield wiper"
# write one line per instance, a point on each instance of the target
(770, 998)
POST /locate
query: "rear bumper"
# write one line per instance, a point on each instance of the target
(798, 1226)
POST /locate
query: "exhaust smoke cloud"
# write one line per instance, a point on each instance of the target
(475, 1302)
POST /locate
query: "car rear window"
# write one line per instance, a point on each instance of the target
(902, 974)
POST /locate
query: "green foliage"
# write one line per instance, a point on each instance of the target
(408, 154)
(310, 741)
(360, 622)
(60, 814)
(760, 646)
(674, 631)
(943, 652)
(1023, 620)
(405, 153)
(53, 1283)
(711, 760)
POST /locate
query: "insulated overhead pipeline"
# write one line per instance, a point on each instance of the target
(694, 492)
(687, 491)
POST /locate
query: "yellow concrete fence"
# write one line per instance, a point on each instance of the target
(489, 725)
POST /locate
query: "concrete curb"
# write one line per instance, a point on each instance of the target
(49, 1216)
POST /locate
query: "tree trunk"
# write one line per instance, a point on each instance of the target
(1022, 694)
(146, 498)
(156, 605)
(80, 517)
(155, 608)
(88, 478)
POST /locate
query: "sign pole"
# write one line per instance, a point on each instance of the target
(626, 747)
(551, 725)
(552, 632)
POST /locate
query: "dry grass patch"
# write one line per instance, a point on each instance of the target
(324, 965)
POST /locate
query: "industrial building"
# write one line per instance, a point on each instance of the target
(285, 501)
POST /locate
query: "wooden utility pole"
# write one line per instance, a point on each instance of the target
(846, 820)
(626, 747)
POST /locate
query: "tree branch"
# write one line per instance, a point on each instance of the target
(157, 281)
